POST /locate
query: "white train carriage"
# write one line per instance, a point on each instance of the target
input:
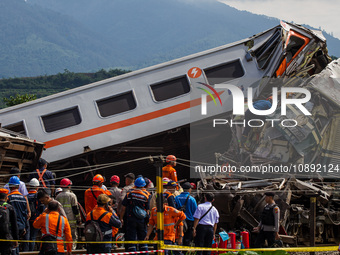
(144, 102)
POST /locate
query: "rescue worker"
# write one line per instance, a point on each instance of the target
(57, 191)
(268, 227)
(205, 224)
(44, 176)
(36, 209)
(112, 204)
(172, 219)
(107, 219)
(48, 222)
(70, 204)
(129, 185)
(136, 206)
(115, 191)
(22, 187)
(13, 234)
(22, 209)
(188, 204)
(168, 170)
(165, 181)
(92, 193)
(169, 193)
(45, 199)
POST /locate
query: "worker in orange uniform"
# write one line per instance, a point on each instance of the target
(172, 219)
(92, 193)
(48, 223)
(169, 170)
(106, 218)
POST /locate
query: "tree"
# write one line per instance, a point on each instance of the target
(19, 99)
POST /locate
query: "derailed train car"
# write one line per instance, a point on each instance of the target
(309, 150)
(17, 150)
(148, 111)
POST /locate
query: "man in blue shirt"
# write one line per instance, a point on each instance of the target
(44, 176)
(205, 224)
(188, 204)
(22, 187)
(21, 207)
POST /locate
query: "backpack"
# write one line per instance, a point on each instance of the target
(33, 203)
(92, 230)
(183, 209)
(50, 248)
(5, 232)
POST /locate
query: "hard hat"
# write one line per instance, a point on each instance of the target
(98, 178)
(115, 178)
(165, 180)
(4, 191)
(171, 184)
(34, 182)
(14, 180)
(65, 182)
(270, 98)
(103, 199)
(193, 185)
(170, 158)
(140, 182)
(58, 190)
(42, 162)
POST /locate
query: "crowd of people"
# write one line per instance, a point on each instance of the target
(131, 210)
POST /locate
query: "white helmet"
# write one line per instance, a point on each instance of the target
(58, 190)
(34, 182)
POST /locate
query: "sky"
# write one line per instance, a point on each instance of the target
(316, 13)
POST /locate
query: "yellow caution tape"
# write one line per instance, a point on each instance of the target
(291, 249)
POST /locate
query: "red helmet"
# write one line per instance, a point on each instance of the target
(193, 185)
(115, 178)
(98, 178)
(170, 158)
(65, 182)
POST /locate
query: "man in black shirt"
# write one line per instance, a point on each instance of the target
(9, 227)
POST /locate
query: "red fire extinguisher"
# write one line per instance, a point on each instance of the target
(222, 244)
(214, 245)
(245, 239)
(232, 240)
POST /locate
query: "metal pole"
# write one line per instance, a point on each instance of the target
(159, 201)
(312, 216)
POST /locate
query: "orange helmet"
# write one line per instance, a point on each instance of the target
(170, 158)
(98, 179)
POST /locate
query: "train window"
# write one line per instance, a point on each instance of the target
(116, 104)
(61, 120)
(225, 72)
(17, 127)
(170, 89)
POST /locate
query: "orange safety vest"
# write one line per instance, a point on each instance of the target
(41, 177)
(169, 172)
(91, 196)
(171, 216)
(47, 222)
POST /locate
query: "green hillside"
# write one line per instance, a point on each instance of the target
(50, 84)
(41, 37)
